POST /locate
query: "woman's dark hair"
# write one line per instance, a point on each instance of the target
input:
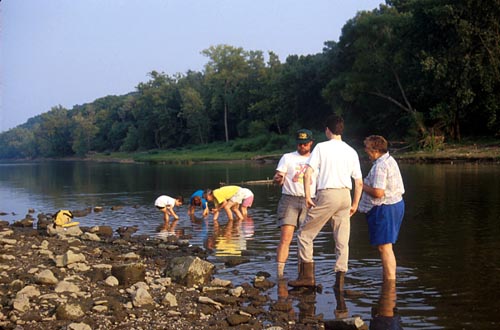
(196, 201)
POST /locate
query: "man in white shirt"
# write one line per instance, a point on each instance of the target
(336, 164)
(292, 207)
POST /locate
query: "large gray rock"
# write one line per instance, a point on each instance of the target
(190, 271)
(128, 274)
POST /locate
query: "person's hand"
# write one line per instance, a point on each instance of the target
(353, 210)
(310, 203)
(278, 179)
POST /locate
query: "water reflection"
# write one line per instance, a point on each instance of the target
(384, 314)
(450, 228)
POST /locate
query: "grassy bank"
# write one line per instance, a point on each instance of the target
(466, 151)
(202, 153)
(472, 151)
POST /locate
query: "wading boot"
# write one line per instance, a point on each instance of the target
(339, 281)
(306, 276)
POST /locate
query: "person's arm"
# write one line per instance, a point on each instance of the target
(374, 192)
(358, 189)
(171, 211)
(279, 178)
(205, 210)
(307, 187)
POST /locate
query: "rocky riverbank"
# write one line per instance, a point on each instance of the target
(100, 278)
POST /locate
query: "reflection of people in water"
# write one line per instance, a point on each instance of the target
(384, 315)
(228, 238)
(341, 311)
(167, 230)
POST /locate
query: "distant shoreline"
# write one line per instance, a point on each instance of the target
(486, 152)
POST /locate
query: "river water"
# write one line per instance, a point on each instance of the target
(448, 251)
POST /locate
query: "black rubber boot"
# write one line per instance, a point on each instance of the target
(306, 276)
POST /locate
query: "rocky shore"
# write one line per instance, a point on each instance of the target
(103, 278)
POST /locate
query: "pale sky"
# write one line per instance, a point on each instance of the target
(69, 52)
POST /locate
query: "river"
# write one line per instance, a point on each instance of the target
(448, 251)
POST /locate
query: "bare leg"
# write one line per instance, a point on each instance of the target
(285, 241)
(388, 261)
(229, 213)
(284, 248)
(235, 207)
(244, 211)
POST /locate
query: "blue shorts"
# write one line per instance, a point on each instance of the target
(384, 222)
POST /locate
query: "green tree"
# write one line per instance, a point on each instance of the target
(226, 69)
(53, 134)
(84, 130)
(194, 112)
(458, 45)
(373, 61)
(17, 142)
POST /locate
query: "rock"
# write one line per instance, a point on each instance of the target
(128, 274)
(6, 232)
(69, 311)
(7, 241)
(263, 283)
(131, 256)
(169, 300)
(126, 232)
(29, 291)
(206, 300)
(70, 257)
(236, 292)
(25, 223)
(111, 281)
(220, 282)
(79, 326)
(68, 231)
(90, 237)
(81, 213)
(43, 222)
(237, 319)
(46, 277)
(21, 303)
(190, 271)
(141, 297)
(105, 231)
(65, 286)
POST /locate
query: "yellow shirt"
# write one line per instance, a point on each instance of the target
(224, 193)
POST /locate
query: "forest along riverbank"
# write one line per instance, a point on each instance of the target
(100, 278)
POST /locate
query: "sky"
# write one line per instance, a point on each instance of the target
(71, 52)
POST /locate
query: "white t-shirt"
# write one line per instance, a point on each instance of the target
(164, 200)
(294, 165)
(335, 163)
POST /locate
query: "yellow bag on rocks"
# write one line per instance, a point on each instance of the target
(63, 218)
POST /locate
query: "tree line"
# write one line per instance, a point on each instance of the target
(415, 70)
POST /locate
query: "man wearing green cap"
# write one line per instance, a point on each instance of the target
(292, 207)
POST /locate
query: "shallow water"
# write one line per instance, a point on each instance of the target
(448, 251)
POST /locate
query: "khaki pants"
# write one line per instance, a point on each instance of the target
(331, 205)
